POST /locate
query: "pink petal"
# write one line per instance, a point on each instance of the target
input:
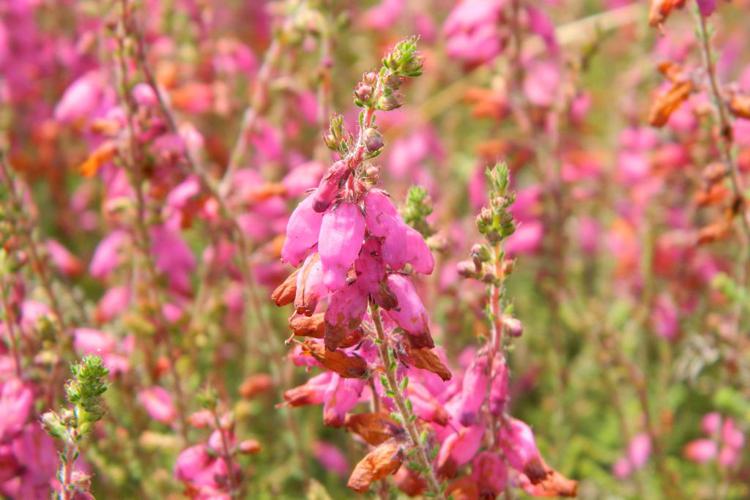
(342, 233)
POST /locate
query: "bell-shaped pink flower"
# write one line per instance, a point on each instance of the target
(342, 233)
(158, 404)
(329, 186)
(380, 214)
(711, 423)
(81, 99)
(345, 311)
(331, 458)
(16, 399)
(410, 314)
(107, 254)
(302, 178)
(67, 263)
(311, 392)
(310, 287)
(490, 473)
(173, 257)
(460, 447)
(114, 301)
(518, 444)
(402, 244)
(473, 392)
(472, 30)
(499, 392)
(301, 232)
(701, 450)
(706, 7)
(341, 395)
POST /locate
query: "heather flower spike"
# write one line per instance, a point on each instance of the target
(84, 393)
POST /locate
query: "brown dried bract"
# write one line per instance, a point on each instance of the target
(265, 191)
(463, 488)
(374, 428)
(547, 482)
(381, 462)
(659, 10)
(668, 102)
(348, 366)
(101, 155)
(284, 293)
(426, 359)
(714, 172)
(308, 326)
(739, 105)
(713, 195)
(255, 384)
(713, 232)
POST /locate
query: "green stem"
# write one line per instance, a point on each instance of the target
(399, 399)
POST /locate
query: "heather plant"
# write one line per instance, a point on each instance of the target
(503, 245)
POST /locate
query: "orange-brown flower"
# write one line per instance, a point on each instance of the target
(381, 462)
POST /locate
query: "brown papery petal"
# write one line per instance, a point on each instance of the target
(374, 428)
(547, 482)
(739, 105)
(668, 102)
(337, 361)
(426, 359)
(379, 463)
(284, 293)
(308, 326)
(97, 158)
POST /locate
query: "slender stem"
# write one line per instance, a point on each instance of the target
(252, 112)
(66, 488)
(37, 262)
(10, 321)
(143, 238)
(496, 332)
(233, 487)
(400, 401)
(727, 157)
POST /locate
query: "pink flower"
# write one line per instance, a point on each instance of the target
(490, 473)
(172, 257)
(310, 287)
(91, 341)
(518, 444)
(526, 239)
(639, 450)
(158, 404)
(16, 399)
(345, 310)
(342, 233)
(542, 82)
(113, 303)
(711, 422)
(329, 186)
(700, 450)
(402, 244)
(473, 391)
(301, 232)
(81, 99)
(665, 318)
(460, 447)
(706, 7)
(341, 395)
(107, 255)
(331, 458)
(67, 263)
(302, 178)
(410, 314)
(472, 31)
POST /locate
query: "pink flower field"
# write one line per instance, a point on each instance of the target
(334, 249)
